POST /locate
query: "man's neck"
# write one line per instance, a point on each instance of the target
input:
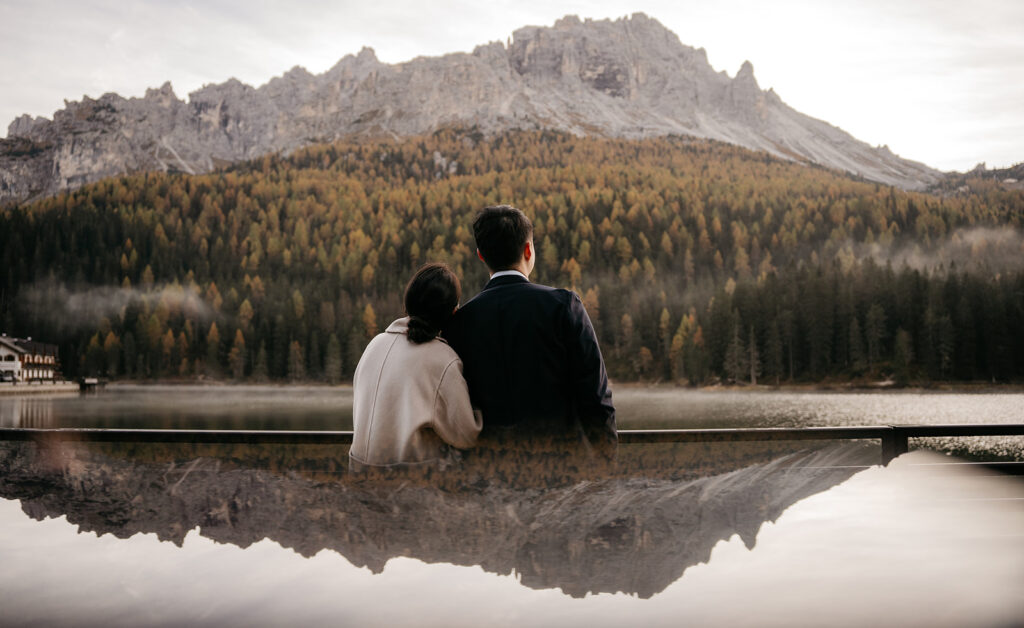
(511, 271)
(522, 268)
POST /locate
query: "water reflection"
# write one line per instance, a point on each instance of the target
(906, 545)
(635, 531)
(187, 407)
(36, 412)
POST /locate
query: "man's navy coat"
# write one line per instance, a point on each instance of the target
(532, 363)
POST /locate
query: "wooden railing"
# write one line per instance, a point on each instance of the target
(893, 438)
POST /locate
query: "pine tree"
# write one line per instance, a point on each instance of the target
(369, 322)
(332, 368)
(736, 363)
(296, 362)
(875, 333)
(773, 352)
(903, 356)
(112, 350)
(315, 365)
(858, 358)
(93, 358)
(665, 338)
(213, 351)
(236, 357)
(754, 358)
(260, 372)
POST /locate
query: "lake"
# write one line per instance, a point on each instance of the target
(330, 408)
(799, 534)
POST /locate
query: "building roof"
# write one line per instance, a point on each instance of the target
(27, 345)
(11, 343)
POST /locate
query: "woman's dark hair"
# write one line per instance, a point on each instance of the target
(501, 233)
(430, 299)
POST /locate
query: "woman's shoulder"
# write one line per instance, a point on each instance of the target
(441, 350)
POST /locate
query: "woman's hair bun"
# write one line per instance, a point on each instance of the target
(430, 298)
(420, 330)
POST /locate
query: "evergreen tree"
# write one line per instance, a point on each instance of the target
(296, 362)
(333, 364)
(212, 363)
(93, 357)
(236, 357)
(858, 357)
(773, 352)
(736, 362)
(875, 333)
(315, 367)
(754, 359)
(260, 371)
(904, 356)
(112, 353)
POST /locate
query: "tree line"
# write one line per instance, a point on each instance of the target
(698, 261)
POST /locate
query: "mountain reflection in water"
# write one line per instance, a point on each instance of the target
(609, 534)
(908, 544)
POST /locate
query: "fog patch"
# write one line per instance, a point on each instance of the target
(976, 249)
(83, 308)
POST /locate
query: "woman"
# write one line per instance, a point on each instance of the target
(410, 401)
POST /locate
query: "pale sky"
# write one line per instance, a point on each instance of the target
(939, 81)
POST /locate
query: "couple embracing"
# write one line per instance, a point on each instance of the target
(518, 364)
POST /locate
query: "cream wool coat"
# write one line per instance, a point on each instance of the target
(410, 402)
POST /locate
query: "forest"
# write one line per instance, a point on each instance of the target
(699, 262)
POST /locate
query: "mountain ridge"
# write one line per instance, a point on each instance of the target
(628, 78)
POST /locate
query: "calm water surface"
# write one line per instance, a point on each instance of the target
(330, 408)
(804, 540)
(805, 534)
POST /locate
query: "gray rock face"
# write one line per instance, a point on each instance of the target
(628, 78)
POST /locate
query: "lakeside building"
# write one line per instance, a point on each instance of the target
(26, 360)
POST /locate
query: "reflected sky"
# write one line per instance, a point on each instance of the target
(908, 544)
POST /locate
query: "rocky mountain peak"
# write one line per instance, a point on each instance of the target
(746, 73)
(630, 77)
(23, 124)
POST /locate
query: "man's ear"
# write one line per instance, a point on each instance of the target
(480, 255)
(528, 251)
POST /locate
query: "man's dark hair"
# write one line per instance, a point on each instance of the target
(501, 233)
(430, 298)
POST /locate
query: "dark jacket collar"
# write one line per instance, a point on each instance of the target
(505, 280)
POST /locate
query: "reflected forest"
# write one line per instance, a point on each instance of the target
(699, 262)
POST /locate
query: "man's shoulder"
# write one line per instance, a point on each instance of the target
(503, 290)
(542, 289)
(552, 292)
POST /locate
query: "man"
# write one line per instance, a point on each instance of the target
(530, 354)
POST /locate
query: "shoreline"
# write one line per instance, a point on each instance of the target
(38, 388)
(826, 387)
(836, 387)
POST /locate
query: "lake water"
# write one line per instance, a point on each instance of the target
(330, 408)
(806, 534)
